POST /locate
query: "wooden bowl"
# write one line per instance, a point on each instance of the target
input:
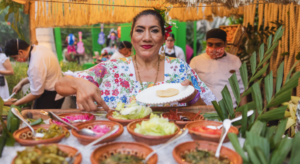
(149, 140)
(71, 114)
(185, 147)
(84, 140)
(132, 148)
(205, 136)
(67, 149)
(30, 141)
(121, 121)
(189, 115)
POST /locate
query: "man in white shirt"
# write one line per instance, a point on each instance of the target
(216, 66)
(43, 72)
(124, 50)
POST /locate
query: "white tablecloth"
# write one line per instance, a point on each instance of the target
(164, 156)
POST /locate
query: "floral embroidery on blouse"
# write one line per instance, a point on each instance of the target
(117, 80)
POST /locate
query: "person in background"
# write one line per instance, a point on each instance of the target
(5, 69)
(124, 50)
(43, 72)
(189, 53)
(216, 66)
(171, 50)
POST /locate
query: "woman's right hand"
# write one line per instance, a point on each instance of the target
(17, 88)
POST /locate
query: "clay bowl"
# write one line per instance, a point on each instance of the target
(10, 102)
(186, 147)
(67, 149)
(149, 140)
(30, 142)
(72, 114)
(205, 136)
(84, 140)
(124, 122)
(133, 148)
(189, 115)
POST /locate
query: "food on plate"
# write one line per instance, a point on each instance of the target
(53, 131)
(156, 126)
(33, 122)
(177, 117)
(167, 93)
(49, 154)
(76, 118)
(131, 111)
(204, 129)
(100, 130)
(122, 158)
(203, 157)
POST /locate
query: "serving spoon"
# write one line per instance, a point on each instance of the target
(173, 139)
(249, 113)
(70, 160)
(226, 127)
(18, 114)
(84, 131)
(9, 97)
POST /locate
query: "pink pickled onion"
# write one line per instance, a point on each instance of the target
(76, 117)
(101, 129)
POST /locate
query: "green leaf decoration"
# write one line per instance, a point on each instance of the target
(235, 87)
(244, 74)
(253, 62)
(218, 109)
(278, 34)
(290, 72)
(254, 140)
(259, 73)
(256, 94)
(282, 151)
(270, 132)
(274, 114)
(261, 52)
(251, 154)
(298, 56)
(223, 108)
(257, 127)
(247, 92)
(292, 83)
(251, 105)
(269, 41)
(268, 54)
(244, 120)
(280, 131)
(279, 77)
(295, 149)
(227, 101)
(285, 53)
(235, 143)
(281, 98)
(260, 154)
(269, 86)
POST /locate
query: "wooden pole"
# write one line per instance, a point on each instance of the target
(32, 26)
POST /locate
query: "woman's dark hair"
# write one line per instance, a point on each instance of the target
(124, 44)
(150, 12)
(172, 35)
(14, 45)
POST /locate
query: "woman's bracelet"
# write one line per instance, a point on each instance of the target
(196, 98)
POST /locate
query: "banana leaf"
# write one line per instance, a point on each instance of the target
(280, 131)
(280, 98)
(274, 114)
(269, 41)
(282, 151)
(251, 105)
(235, 87)
(219, 110)
(260, 154)
(295, 153)
(261, 52)
(237, 147)
(279, 77)
(253, 62)
(256, 94)
(259, 73)
(227, 101)
(244, 75)
(269, 86)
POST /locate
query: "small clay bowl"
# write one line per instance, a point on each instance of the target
(146, 139)
(30, 141)
(204, 136)
(72, 114)
(188, 115)
(84, 140)
(67, 149)
(123, 122)
(187, 147)
(133, 148)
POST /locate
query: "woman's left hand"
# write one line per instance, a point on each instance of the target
(191, 97)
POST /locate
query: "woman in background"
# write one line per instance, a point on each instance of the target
(5, 69)
(171, 50)
(124, 50)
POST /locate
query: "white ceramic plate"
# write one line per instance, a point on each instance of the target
(148, 96)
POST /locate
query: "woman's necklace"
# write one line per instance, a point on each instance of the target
(139, 72)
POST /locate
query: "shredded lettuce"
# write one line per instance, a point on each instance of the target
(131, 111)
(156, 126)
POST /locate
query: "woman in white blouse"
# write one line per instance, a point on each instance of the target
(171, 50)
(43, 72)
(5, 69)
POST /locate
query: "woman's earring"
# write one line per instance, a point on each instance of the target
(162, 52)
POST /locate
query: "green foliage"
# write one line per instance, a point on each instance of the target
(201, 42)
(72, 66)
